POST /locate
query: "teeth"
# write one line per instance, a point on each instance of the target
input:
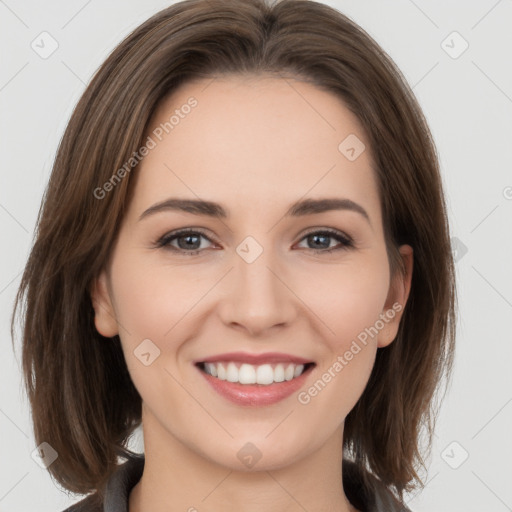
(279, 373)
(221, 371)
(298, 370)
(264, 374)
(289, 372)
(232, 373)
(212, 369)
(246, 374)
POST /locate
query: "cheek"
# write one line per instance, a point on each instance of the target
(348, 304)
(340, 303)
(337, 386)
(156, 302)
(160, 302)
(151, 300)
(151, 307)
(347, 299)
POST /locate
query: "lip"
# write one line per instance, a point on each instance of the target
(255, 359)
(256, 395)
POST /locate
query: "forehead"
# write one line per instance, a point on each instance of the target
(260, 141)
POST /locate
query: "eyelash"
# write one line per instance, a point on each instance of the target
(164, 241)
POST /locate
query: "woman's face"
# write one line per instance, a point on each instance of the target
(254, 289)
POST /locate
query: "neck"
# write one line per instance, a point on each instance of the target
(178, 478)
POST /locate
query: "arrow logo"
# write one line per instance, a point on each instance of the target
(249, 455)
(44, 455)
(351, 147)
(249, 253)
(454, 455)
(147, 352)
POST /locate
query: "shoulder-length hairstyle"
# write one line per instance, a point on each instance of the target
(83, 401)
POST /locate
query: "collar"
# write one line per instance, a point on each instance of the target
(372, 497)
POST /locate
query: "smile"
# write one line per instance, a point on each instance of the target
(255, 380)
(244, 373)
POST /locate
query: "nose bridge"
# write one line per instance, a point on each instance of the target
(258, 298)
(254, 278)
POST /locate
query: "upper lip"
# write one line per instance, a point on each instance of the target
(255, 359)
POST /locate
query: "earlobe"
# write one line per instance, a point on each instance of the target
(399, 289)
(104, 314)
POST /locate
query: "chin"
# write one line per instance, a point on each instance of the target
(251, 453)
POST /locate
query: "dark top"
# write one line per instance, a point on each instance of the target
(374, 498)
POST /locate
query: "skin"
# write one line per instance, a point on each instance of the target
(255, 145)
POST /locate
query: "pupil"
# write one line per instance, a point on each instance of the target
(188, 239)
(316, 237)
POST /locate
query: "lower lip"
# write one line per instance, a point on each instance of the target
(256, 394)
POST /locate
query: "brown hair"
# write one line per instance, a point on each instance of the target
(83, 401)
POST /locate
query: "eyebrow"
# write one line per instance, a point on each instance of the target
(297, 209)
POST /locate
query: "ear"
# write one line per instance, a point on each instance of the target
(104, 314)
(398, 294)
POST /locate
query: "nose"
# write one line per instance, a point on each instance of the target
(256, 296)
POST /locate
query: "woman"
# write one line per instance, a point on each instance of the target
(243, 248)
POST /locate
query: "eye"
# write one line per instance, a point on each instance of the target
(321, 243)
(188, 241)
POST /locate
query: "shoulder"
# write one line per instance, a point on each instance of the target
(117, 490)
(91, 503)
(367, 492)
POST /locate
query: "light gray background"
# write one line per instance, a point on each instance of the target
(468, 104)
